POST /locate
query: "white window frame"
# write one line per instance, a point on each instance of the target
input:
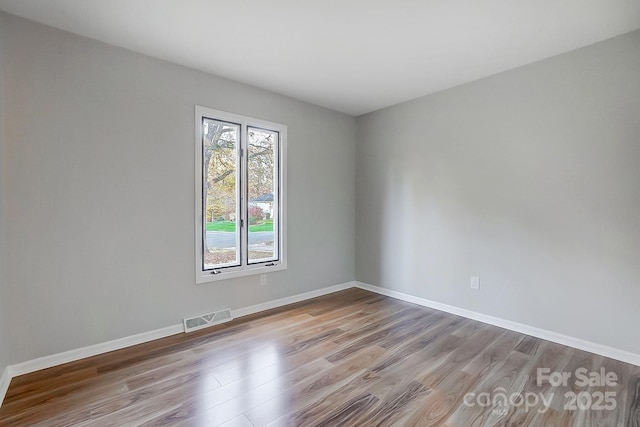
(245, 269)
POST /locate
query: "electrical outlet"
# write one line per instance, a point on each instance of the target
(475, 282)
(263, 280)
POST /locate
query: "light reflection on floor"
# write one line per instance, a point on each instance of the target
(245, 382)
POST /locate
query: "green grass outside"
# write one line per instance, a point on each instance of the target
(230, 226)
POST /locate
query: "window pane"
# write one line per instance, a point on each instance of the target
(221, 239)
(262, 183)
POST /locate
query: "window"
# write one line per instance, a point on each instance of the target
(240, 195)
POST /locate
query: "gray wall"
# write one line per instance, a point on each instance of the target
(100, 191)
(528, 179)
(3, 301)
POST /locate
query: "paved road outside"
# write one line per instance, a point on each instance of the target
(226, 239)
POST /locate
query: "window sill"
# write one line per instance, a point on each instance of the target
(207, 276)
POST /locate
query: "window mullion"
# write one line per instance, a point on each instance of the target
(244, 231)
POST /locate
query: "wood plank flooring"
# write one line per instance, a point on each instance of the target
(352, 358)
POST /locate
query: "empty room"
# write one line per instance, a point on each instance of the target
(337, 213)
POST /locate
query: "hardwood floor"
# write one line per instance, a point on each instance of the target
(351, 358)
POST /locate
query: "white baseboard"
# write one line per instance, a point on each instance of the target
(92, 350)
(603, 350)
(45, 362)
(96, 349)
(5, 380)
(292, 299)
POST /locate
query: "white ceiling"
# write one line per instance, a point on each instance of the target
(353, 56)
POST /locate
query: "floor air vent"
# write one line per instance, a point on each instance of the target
(204, 321)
